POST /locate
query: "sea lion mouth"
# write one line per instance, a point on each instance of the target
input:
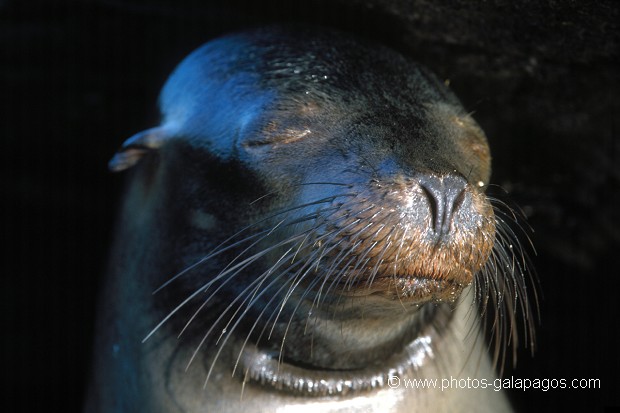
(413, 289)
(419, 289)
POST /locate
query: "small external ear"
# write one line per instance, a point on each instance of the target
(136, 147)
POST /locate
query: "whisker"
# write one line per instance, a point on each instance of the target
(222, 346)
(301, 184)
(259, 317)
(220, 247)
(502, 285)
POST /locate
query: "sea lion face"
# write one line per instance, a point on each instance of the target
(319, 210)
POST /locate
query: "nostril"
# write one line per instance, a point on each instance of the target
(435, 205)
(445, 196)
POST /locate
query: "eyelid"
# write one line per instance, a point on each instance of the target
(285, 137)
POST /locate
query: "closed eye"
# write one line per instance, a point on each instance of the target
(284, 137)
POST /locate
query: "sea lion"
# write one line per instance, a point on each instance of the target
(306, 229)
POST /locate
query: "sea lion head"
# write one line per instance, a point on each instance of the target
(327, 201)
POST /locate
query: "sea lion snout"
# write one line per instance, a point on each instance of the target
(416, 239)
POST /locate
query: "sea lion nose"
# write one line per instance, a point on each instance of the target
(445, 195)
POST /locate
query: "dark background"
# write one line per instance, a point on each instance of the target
(78, 77)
